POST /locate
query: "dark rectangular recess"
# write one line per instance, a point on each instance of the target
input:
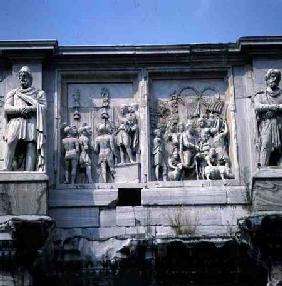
(129, 197)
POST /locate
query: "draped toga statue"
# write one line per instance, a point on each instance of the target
(25, 133)
(268, 108)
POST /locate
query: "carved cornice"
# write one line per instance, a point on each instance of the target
(210, 54)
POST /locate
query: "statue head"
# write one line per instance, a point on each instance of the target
(157, 132)
(123, 109)
(189, 124)
(272, 78)
(212, 116)
(70, 130)
(212, 152)
(100, 129)
(85, 130)
(132, 107)
(201, 122)
(25, 77)
(104, 128)
(181, 127)
(172, 126)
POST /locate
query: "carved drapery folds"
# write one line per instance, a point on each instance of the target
(190, 132)
(25, 132)
(95, 152)
(191, 137)
(268, 110)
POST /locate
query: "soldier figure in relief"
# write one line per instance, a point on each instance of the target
(84, 143)
(268, 108)
(219, 140)
(71, 148)
(25, 109)
(123, 138)
(158, 153)
(188, 147)
(104, 146)
(133, 125)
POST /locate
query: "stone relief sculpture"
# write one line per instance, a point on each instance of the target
(84, 159)
(158, 153)
(123, 138)
(114, 131)
(25, 132)
(104, 146)
(195, 139)
(188, 145)
(175, 167)
(127, 134)
(71, 150)
(268, 109)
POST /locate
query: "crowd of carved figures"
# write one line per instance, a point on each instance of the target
(113, 144)
(190, 137)
(192, 147)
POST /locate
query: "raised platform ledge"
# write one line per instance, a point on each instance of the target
(24, 176)
(268, 173)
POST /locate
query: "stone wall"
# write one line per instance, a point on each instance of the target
(148, 142)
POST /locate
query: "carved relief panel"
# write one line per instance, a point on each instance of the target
(191, 130)
(267, 104)
(100, 133)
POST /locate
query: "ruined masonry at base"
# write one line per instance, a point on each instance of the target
(141, 165)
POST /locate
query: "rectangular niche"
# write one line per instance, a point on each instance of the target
(100, 123)
(192, 136)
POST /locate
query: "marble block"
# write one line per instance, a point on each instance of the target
(267, 190)
(127, 173)
(23, 193)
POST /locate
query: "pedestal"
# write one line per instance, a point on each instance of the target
(23, 193)
(267, 190)
(127, 173)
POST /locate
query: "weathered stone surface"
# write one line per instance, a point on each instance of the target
(23, 193)
(194, 215)
(75, 217)
(267, 190)
(22, 176)
(123, 172)
(194, 195)
(108, 218)
(82, 197)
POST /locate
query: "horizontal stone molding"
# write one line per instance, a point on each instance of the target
(24, 176)
(195, 196)
(82, 197)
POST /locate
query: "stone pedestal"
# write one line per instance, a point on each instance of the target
(267, 190)
(23, 193)
(127, 173)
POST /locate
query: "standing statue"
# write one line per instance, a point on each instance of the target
(188, 145)
(172, 137)
(219, 140)
(268, 108)
(84, 143)
(25, 109)
(204, 149)
(158, 153)
(123, 137)
(104, 146)
(71, 148)
(133, 126)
